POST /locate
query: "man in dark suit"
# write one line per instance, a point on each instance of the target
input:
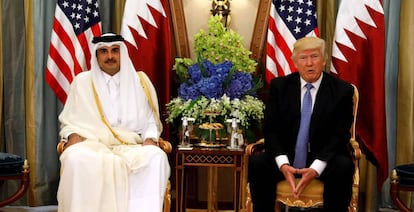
(326, 154)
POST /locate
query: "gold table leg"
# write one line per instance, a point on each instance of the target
(212, 189)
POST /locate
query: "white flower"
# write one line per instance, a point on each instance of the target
(247, 109)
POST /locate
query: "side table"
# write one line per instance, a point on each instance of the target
(212, 158)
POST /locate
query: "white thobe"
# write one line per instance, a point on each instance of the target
(101, 175)
(94, 179)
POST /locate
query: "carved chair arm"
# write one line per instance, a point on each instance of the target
(259, 146)
(60, 147)
(164, 145)
(355, 151)
(252, 148)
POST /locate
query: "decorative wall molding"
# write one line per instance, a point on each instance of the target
(258, 40)
(179, 28)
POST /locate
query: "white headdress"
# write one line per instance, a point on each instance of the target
(131, 91)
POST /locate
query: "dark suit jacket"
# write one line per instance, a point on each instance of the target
(330, 123)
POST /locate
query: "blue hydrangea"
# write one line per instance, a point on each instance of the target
(195, 74)
(222, 69)
(208, 66)
(211, 87)
(188, 91)
(211, 81)
(239, 84)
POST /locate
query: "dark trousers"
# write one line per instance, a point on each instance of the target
(263, 176)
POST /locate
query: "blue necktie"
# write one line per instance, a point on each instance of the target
(301, 150)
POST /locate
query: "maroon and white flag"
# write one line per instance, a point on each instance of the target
(358, 57)
(145, 27)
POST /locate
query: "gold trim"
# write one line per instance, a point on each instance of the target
(100, 110)
(149, 98)
(101, 113)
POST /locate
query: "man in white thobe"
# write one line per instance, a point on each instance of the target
(110, 122)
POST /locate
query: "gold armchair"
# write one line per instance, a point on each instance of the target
(164, 145)
(312, 196)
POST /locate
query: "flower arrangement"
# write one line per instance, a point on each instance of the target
(220, 82)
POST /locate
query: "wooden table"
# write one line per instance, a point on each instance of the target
(212, 158)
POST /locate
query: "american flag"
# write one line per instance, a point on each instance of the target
(289, 20)
(75, 23)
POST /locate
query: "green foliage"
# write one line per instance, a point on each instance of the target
(220, 44)
(180, 67)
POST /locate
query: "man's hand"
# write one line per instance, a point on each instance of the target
(73, 139)
(289, 172)
(308, 174)
(150, 141)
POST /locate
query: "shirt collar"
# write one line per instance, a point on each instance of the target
(315, 84)
(116, 78)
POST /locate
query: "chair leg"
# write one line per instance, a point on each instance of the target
(249, 204)
(167, 198)
(278, 206)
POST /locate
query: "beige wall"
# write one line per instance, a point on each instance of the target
(243, 16)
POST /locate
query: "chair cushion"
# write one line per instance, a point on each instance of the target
(311, 196)
(405, 174)
(10, 164)
(314, 189)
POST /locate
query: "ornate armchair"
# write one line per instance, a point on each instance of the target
(164, 145)
(312, 196)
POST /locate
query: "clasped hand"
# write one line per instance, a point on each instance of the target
(307, 175)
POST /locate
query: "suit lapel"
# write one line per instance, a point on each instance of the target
(321, 103)
(294, 98)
